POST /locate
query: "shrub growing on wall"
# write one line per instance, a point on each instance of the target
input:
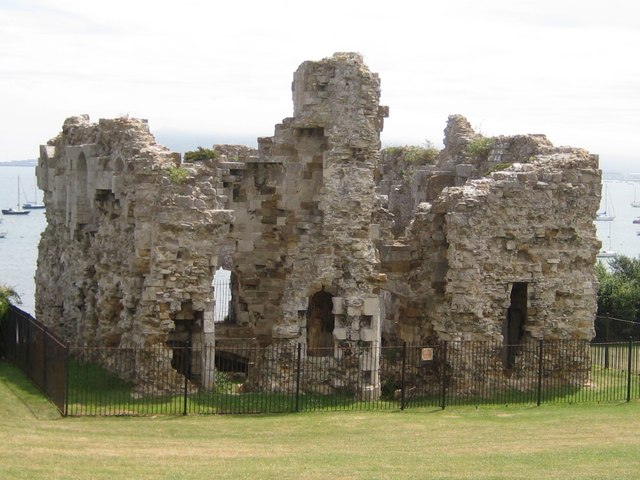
(200, 155)
(480, 147)
(422, 155)
(178, 175)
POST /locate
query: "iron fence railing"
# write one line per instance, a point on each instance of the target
(183, 379)
(40, 354)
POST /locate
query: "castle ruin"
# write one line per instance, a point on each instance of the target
(331, 243)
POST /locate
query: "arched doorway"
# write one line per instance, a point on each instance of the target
(320, 325)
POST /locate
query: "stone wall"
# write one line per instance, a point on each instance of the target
(507, 257)
(131, 247)
(329, 246)
(303, 229)
(128, 254)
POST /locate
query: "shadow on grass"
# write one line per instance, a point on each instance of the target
(15, 386)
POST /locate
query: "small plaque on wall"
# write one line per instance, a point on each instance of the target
(427, 354)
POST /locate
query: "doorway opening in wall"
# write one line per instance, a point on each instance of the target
(320, 325)
(222, 294)
(177, 339)
(513, 326)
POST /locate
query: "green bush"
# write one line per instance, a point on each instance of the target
(498, 167)
(480, 147)
(223, 382)
(200, 155)
(178, 175)
(7, 294)
(419, 155)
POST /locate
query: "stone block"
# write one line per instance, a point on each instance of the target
(338, 306)
(184, 202)
(371, 306)
(369, 335)
(340, 333)
(245, 246)
(285, 331)
(369, 362)
(464, 170)
(374, 231)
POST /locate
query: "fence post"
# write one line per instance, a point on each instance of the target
(186, 367)
(66, 380)
(539, 390)
(298, 362)
(45, 387)
(443, 384)
(629, 353)
(27, 359)
(404, 363)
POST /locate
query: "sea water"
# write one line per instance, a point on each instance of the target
(19, 247)
(620, 235)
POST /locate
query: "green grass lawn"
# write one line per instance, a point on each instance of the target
(587, 441)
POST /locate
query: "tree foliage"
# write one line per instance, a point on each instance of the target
(418, 155)
(7, 295)
(200, 155)
(619, 295)
(424, 155)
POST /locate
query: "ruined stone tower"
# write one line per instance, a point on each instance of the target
(307, 202)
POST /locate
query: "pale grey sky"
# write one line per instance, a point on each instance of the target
(222, 71)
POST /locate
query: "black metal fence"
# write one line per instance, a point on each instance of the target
(205, 379)
(38, 353)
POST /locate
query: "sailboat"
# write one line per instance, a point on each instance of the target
(19, 211)
(34, 205)
(636, 202)
(603, 216)
(607, 253)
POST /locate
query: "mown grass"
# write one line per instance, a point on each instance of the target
(587, 441)
(96, 391)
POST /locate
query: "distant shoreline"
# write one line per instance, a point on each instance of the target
(19, 163)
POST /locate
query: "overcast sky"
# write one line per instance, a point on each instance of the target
(205, 72)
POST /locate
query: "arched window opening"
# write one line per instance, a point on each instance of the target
(223, 310)
(320, 325)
